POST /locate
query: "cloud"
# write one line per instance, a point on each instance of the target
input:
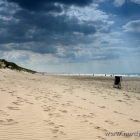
(132, 26)
(58, 33)
(119, 3)
(58, 24)
(100, 1)
(123, 10)
(40, 5)
(39, 32)
(94, 14)
(41, 27)
(136, 1)
(35, 47)
(47, 35)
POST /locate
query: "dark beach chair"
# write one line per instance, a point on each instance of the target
(117, 81)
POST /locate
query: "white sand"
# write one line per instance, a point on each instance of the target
(50, 107)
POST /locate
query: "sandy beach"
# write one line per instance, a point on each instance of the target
(53, 107)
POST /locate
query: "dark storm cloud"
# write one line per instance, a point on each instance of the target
(36, 5)
(27, 26)
(32, 29)
(12, 32)
(54, 24)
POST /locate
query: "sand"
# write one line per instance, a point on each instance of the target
(52, 107)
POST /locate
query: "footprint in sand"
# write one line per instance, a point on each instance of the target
(61, 125)
(102, 106)
(3, 113)
(29, 103)
(110, 122)
(56, 96)
(92, 114)
(55, 137)
(64, 111)
(70, 101)
(13, 108)
(101, 138)
(104, 97)
(62, 133)
(3, 90)
(135, 120)
(13, 94)
(51, 123)
(119, 100)
(118, 112)
(20, 98)
(54, 114)
(101, 129)
(87, 116)
(57, 132)
(54, 130)
(127, 95)
(8, 122)
(91, 102)
(126, 99)
(16, 103)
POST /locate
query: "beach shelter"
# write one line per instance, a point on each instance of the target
(117, 81)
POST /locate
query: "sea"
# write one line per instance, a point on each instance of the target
(135, 75)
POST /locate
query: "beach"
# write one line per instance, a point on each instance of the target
(57, 107)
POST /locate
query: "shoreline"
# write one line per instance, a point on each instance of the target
(135, 75)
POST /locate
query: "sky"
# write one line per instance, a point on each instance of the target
(71, 36)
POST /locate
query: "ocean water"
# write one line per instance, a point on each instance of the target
(129, 75)
(136, 75)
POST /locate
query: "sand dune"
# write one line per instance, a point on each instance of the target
(51, 107)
